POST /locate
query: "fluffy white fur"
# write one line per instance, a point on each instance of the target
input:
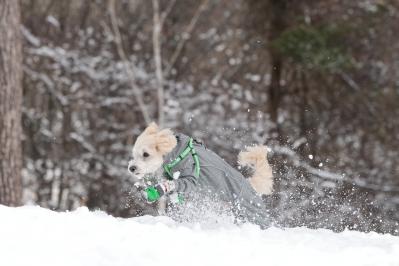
(256, 158)
(154, 143)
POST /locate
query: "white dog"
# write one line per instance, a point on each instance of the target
(175, 164)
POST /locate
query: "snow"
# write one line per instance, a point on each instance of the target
(53, 21)
(36, 236)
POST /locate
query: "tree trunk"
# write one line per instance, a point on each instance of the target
(10, 103)
(275, 88)
(277, 9)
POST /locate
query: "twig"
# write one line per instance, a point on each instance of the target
(185, 36)
(156, 42)
(166, 12)
(298, 162)
(352, 84)
(127, 67)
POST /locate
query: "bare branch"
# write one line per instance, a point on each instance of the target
(127, 67)
(186, 35)
(349, 81)
(327, 175)
(156, 43)
(166, 12)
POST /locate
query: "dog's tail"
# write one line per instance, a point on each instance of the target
(256, 158)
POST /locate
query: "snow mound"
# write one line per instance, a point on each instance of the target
(36, 236)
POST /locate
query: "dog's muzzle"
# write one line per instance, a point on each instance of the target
(132, 168)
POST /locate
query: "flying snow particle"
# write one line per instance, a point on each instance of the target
(310, 156)
(176, 175)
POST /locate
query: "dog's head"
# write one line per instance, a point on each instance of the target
(150, 148)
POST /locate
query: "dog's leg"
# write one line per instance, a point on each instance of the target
(162, 204)
(256, 158)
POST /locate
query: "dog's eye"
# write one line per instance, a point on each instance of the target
(146, 154)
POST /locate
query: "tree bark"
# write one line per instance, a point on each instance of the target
(156, 44)
(10, 103)
(277, 26)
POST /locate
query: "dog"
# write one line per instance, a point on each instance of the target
(169, 164)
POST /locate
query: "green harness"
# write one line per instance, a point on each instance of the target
(152, 194)
(189, 149)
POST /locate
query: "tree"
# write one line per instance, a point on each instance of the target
(10, 103)
(315, 80)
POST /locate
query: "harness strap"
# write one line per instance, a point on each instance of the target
(189, 149)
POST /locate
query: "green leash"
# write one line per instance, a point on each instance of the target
(189, 149)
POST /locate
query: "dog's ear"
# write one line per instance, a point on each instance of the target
(152, 128)
(166, 141)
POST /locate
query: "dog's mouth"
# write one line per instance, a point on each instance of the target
(138, 176)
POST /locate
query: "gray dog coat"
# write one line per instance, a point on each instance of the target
(217, 181)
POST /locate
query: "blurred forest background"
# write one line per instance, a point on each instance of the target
(317, 81)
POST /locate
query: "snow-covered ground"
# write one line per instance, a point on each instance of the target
(36, 236)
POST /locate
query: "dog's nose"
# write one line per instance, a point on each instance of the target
(132, 168)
